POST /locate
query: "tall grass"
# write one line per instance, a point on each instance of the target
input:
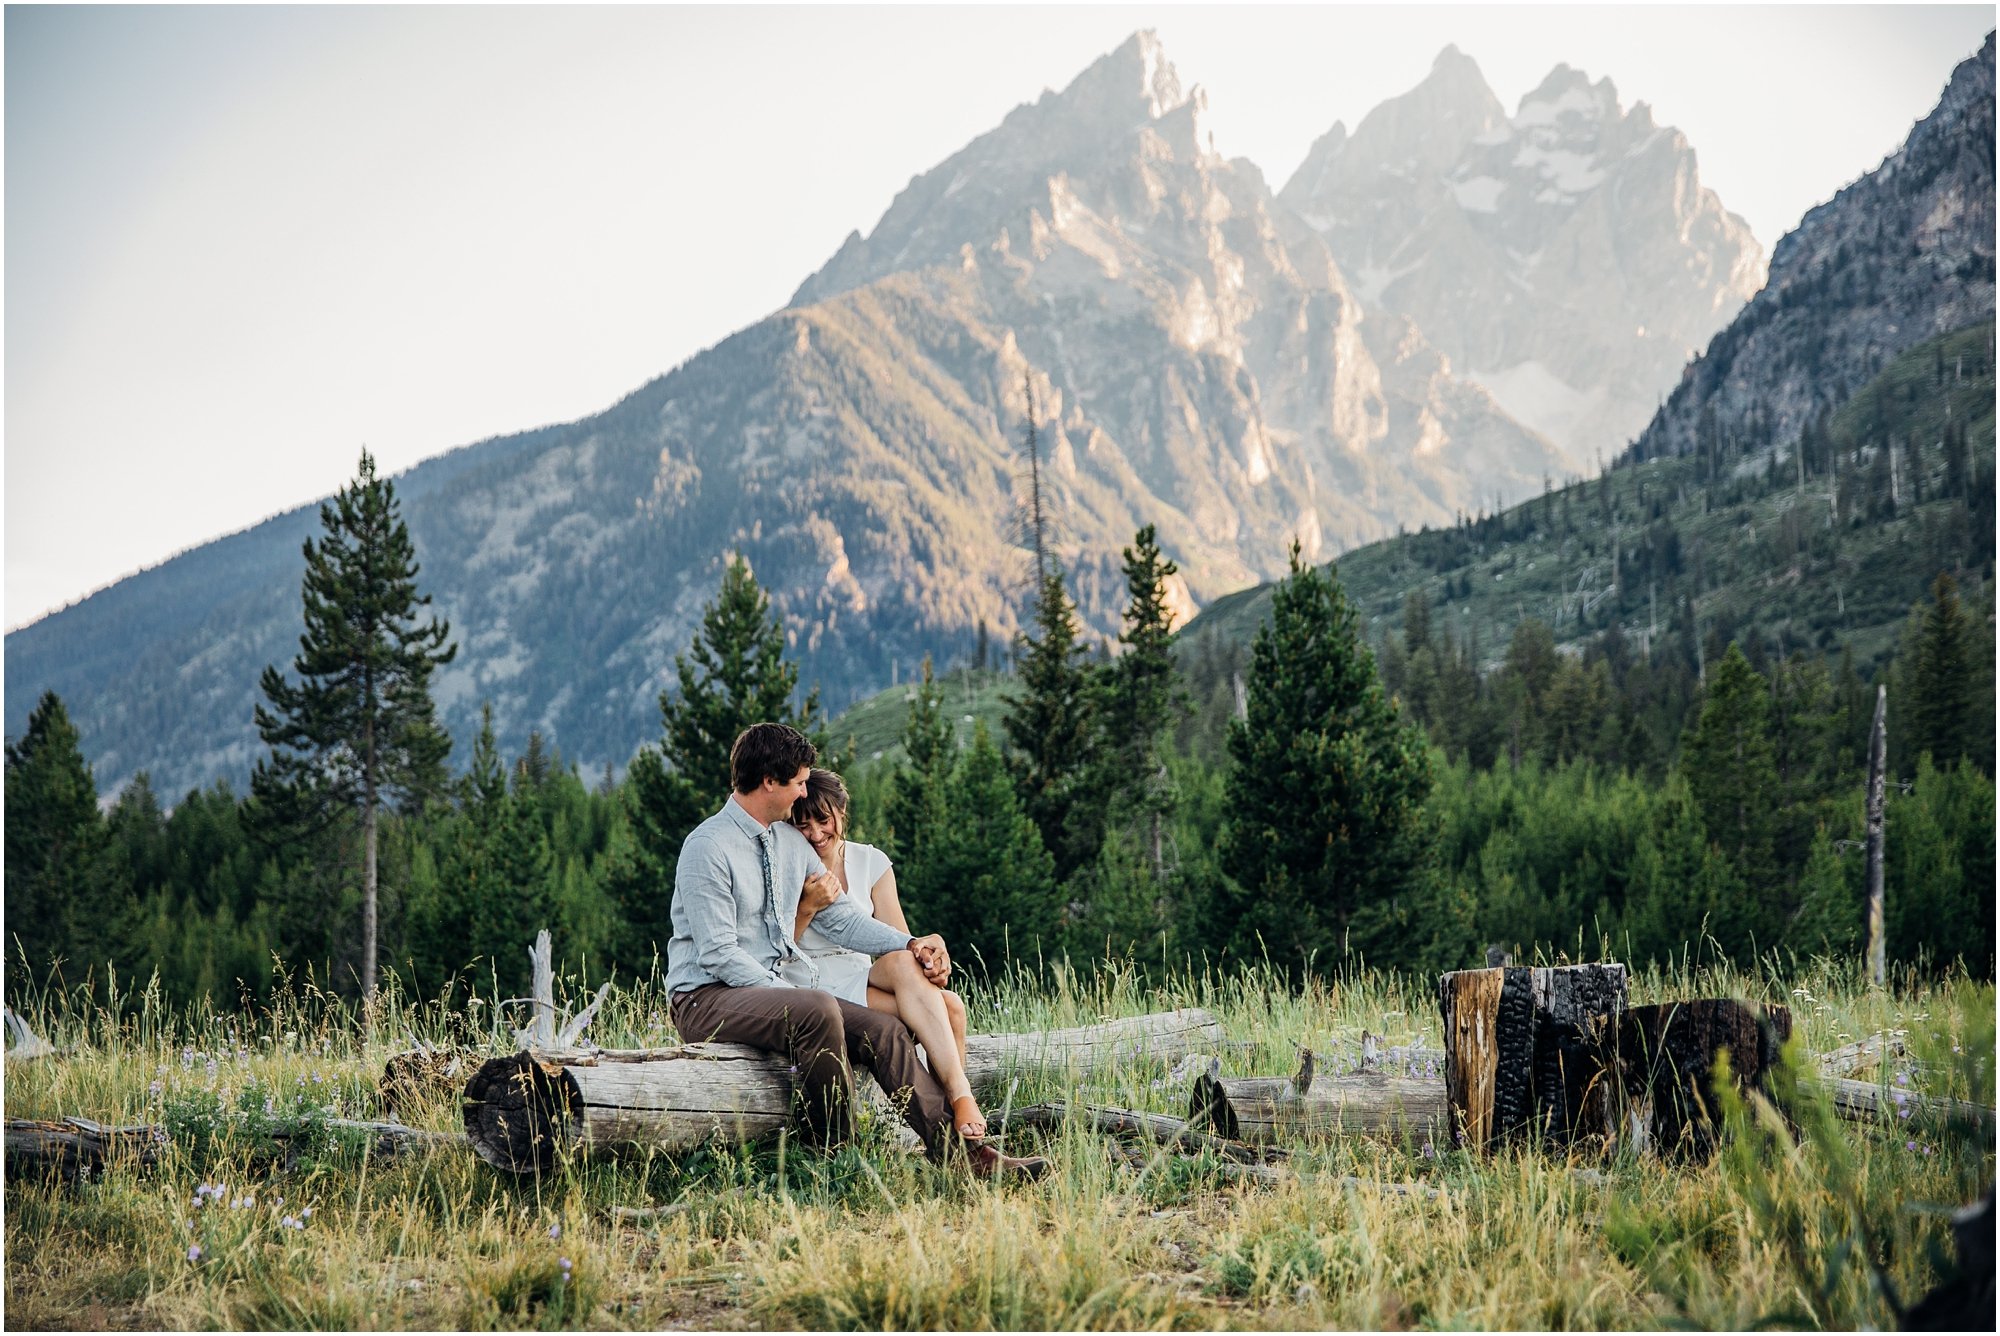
(1358, 1233)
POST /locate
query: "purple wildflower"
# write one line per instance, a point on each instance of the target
(555, 1230)
(194, 1252)
(1910, 1145)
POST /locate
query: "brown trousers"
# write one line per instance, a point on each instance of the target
(822, 1037)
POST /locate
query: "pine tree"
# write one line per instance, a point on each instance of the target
(1940, 680)
(735, 674)
(1138, 702)
(1326, 826)
(1729, 765)
(359, 729)
(1048, 727)
(60, 900)
(979, 874)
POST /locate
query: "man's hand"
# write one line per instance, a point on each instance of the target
(932, 958)
(820, 891)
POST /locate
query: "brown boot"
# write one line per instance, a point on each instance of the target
(987, 1162)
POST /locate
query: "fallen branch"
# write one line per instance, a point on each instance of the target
(1850, 1059)
(75, 1146)
(26, 1043)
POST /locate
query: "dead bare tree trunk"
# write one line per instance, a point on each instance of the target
(1878, 755)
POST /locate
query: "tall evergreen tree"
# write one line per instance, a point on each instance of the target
(359, 728)
(492, 892)
(977, 872)
(1139, 702)
(1730, 766)
(1048, 725)
(59, 902)
(1326, 831)
(1940, 680)
(734, 674)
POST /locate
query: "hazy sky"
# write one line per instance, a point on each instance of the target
(242, 243)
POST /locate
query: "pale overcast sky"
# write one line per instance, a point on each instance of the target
(242, 243)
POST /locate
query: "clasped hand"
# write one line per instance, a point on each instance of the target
(820, 890)
(932, 958)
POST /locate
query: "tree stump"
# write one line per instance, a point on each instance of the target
(1666, 1058)
(1523, 1051)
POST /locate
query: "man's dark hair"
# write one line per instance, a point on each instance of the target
(768, 751)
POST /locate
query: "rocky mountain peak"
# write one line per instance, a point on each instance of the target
(1566, 258)
(1125, 106)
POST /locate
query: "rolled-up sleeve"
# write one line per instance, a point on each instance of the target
(844, 924)
(704, 896)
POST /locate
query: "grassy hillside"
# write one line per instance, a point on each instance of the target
(872, 730)
(1834, 560)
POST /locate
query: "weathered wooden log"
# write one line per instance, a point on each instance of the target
(1521, 1051)
(1263, 1109)
(1849, 1059)
(523, 1110)
(1666, 1056)
(1162, 1128)
(78, 1147)
(1866, 1101)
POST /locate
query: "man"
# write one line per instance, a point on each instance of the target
(736, 891)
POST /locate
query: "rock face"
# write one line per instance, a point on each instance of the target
(1566, 259)
(1901, 255)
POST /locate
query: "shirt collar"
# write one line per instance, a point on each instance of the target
(748, 824)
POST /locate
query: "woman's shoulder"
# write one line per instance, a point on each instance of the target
(870, 857)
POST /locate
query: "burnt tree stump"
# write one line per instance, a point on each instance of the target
(1666, 1055)
(1523, 1050)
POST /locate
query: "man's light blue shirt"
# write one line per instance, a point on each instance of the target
(727, 930)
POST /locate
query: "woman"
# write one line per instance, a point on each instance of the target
(895, 983)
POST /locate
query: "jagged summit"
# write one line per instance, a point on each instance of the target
(1126, 105)
(1138, 70)
(1566, 258)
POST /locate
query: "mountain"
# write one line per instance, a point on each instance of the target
(1567, 259)
(1900, 256)
(1196, 358)
(1827, 456)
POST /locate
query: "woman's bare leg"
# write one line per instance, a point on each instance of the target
(954, 1011)
(922, 1006)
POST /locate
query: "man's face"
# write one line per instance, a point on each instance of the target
(774, 798)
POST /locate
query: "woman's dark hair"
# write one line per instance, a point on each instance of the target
(768, 751)
(825, 800)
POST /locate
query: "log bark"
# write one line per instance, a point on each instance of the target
(80, 1147)
(1522, 1051)
(1261, 1110)
(524, 1110)
(1162, 1128)
(1665, 1058)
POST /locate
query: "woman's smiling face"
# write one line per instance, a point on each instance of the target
(821, 832)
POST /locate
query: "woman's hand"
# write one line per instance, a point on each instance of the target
(932, 957)
(820, 891)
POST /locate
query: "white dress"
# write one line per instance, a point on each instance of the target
(842, 972)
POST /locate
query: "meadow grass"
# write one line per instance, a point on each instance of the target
(225, 1232)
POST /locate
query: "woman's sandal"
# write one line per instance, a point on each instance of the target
(965, 1112)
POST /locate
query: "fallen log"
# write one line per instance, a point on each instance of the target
(1262, 1109)
(1161, 1128)
(1522, 1056)
(1851, 1059)
(524, 1109)
(80, 1147)
(1865, 1101)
